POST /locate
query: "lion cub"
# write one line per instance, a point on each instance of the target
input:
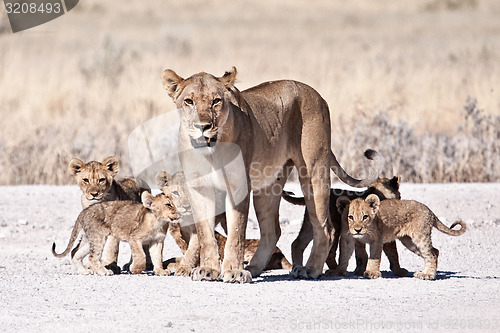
(139, 224)
(374, 222)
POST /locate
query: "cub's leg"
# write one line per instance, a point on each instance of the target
(156, 252)
(138, 257)
(110, 256)
(191, 258)
(97, 243)
(361, 258)
(79, 253)
(347, 245)
(423, 247)
(391, 251)
(303, 239)
(373, 265)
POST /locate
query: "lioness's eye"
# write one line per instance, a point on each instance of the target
(188, 101)
(216, 101)
(86, 180)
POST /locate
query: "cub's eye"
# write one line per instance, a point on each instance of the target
(175, 193)
(216, 101)
(365, 217)
(188, 101)
(350, 217)
(86, 180)
(102, 180)
(169, 205)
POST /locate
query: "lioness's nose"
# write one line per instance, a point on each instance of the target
(203, 127)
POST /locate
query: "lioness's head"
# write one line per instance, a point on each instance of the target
(161, 205)
(176, 186)
(359, 213)
(203, 101)
(387, 188)
(94, 178)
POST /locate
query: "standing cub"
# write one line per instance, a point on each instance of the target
(374, 222)
(139, 224)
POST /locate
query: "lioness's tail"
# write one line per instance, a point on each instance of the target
(74, 235)
(443, 228)
(346, 178)
(293, 200)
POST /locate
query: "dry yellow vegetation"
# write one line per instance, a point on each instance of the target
(78, 86)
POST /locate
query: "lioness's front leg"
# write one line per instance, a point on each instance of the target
(209, 269)
(373, 266)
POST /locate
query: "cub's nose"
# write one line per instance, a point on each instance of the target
(358, 230)
(94, 194)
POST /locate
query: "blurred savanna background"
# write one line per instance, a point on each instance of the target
(416, 80)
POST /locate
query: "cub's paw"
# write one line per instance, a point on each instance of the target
(254, 270)
(237, 276)
(204, 274)
(300, 272)
(359, 271)
(162, 272)
(114, 267)
(400, 272)
(104, 272)
(424, 276)
(337, 272)
(136, 269)
(372, 274)
(183, 271)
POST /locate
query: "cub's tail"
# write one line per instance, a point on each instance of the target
(74, 235)
(449, 231)
(288, 196)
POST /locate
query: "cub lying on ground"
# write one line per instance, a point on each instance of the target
(176, 186)
(385, 188)
(139, 224)
(374, 222)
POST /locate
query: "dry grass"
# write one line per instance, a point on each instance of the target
(79, 85)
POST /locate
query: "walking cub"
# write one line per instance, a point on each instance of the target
(374, 222)
(138, 224)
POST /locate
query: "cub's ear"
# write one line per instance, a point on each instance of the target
(111, 163)
(163, 179)
(147, 199)
(374, 201)
(395, 182)
(229, 78)
(342, 203)
(171, 82)
(75, 166)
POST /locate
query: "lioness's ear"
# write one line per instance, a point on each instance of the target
(229, 78)
(162, 179)
(111, 163)
(374, 201)
(171, 82)
(342, 203)
(75, 166)
(147, 199)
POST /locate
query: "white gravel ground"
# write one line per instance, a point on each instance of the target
(40, 293)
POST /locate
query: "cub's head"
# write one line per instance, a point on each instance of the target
(203, 101)
(387, 188)
(359, 213)
(94, 178)
(176, 186)
(161, 205)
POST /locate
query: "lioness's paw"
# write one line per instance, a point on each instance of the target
(162, 272)
(253, 270)
(400, 272)
(204, 274)
(183, 271)
(337, 272)
(237, 276)
(424, 276)
(300, 272)
(372, 274)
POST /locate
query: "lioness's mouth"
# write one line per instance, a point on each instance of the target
(203, 142)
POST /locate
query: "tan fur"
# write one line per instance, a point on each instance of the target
(176, 185)
(385, 188)
(373, 222)
(138, 224)
(98, 184)
(276, 125)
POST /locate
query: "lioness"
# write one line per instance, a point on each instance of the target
(176, 185)
(138, 224)
(384, 188)
(374, 222)
(275, 126)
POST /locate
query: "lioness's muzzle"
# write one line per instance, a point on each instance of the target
(203, 142)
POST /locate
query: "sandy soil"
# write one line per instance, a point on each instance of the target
(40, 293)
